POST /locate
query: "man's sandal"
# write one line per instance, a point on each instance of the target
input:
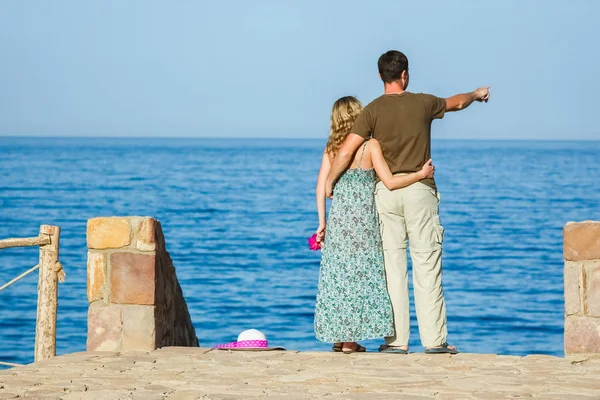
(443, 349)
(384, 348)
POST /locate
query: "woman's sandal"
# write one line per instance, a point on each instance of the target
(443, 349)
(337, 347)
(357, 349)
(384, 348)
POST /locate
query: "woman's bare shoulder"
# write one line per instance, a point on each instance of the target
(329, 154)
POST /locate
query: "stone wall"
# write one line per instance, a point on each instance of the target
(135, 299)
(582, 287)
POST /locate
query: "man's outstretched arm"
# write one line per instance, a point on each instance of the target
(462, 101)
(342, 160)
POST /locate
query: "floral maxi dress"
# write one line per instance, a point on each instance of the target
(352, 300)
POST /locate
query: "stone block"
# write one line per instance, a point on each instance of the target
(96, 276)
(582, 240)
(582, 335)
(132, 278)
(573, 276)
(591, 289)
(145, 235)
(108, 233)
(139, 331)
(146, 307)
(104, 327)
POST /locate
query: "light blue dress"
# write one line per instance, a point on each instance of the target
(352, 300)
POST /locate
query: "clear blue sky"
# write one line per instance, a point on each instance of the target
(273, 68)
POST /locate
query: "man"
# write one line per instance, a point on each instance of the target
(401, 122)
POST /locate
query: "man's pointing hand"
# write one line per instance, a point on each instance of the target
(482, 94)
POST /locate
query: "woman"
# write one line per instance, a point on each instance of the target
(352, 299)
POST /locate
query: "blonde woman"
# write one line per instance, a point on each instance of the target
(352, 299)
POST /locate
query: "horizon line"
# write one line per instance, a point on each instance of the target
(283, 138)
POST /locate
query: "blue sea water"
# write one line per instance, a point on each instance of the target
(237, 213)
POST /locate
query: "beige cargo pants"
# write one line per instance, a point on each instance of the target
(411, 215)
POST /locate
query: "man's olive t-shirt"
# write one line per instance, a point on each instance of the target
(402, 125)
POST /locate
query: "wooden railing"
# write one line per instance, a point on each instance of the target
(51, 272)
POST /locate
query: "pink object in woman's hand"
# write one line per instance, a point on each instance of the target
(313, 244)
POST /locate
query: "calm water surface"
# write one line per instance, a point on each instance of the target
(236, 215)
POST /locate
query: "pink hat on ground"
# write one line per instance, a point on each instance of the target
(250, 340)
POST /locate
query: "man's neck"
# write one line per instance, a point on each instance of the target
(393, 88)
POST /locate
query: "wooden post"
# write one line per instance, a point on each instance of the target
(45, 330)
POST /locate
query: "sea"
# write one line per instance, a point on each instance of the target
(237, 213)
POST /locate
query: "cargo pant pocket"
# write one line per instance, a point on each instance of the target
(438, 229)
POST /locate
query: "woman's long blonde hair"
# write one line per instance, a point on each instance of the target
(343, 114)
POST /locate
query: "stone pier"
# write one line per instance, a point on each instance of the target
(176, 373)
(136, 303)
(582, 287)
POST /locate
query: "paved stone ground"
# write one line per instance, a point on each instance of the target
(178, 373)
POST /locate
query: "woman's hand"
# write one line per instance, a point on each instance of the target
(321, 233)
(428, 170)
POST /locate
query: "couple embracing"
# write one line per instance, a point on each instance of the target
(384, 200)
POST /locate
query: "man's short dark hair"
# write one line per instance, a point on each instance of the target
(391, 65)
